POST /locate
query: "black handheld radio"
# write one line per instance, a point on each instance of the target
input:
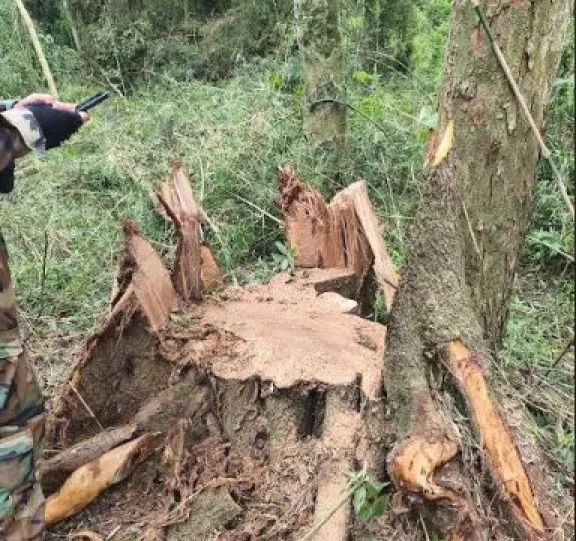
(92, 102)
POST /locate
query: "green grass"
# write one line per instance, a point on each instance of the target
(233, 137)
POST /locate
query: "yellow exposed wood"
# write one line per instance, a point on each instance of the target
(497, 442)
(446, 144)
(89, 481)
(414, 465)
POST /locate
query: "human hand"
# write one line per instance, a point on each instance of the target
(48, 100)
(56, 123)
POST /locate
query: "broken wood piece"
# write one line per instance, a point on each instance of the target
(498, 445)
(87, 534)
(150, 279)
(333, 302)
(345, 233)
(414, 465)
(349, 236)
(343, 425)
(119, 359)
(89, 481)
(387, 278)
(308, 225)
(177, 200)
(184, 400)
(55, 470)
(210, 273)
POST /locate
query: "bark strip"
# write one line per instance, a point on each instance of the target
(496, 440)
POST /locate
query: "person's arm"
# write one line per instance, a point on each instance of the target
(35, 123)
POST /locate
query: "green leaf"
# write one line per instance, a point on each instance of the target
(359, 499)
(364, 512)
(282, 248)
(428, 117)
(380, 506)
(362, 77)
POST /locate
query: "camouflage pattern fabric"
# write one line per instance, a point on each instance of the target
(21, 404)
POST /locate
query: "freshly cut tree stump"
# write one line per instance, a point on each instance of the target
(278, 371)
(255, 394)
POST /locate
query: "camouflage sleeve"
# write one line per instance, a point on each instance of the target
(28, 130)
(19, 133)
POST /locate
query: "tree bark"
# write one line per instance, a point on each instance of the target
(497, 153)
(462, 255)
(318, 36)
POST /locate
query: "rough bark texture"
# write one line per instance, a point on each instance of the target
(497, 153)
(318, 36)
(452, 303)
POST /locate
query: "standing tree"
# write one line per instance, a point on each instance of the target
(462, 255)
(318, 37)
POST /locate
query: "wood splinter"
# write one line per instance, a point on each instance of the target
(499, 449)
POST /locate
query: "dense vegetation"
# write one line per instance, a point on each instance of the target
(218, 83)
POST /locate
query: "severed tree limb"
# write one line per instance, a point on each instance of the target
(55, 470)
(89, 481)
(159, 415)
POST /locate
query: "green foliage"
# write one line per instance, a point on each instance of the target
(21, 73)
(551, 241)
(284, 259)
(429, 34)
(367, 498)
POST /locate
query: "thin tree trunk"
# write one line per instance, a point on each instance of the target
(37, 47)
(452, 304)
(318, 36)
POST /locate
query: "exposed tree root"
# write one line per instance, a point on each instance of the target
(414, 465)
